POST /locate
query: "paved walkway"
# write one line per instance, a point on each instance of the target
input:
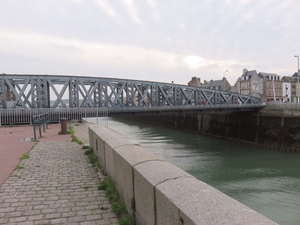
(55, 185)
(13, 144)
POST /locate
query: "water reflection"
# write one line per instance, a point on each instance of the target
(267, 181)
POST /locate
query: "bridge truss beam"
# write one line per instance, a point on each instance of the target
(36, 91)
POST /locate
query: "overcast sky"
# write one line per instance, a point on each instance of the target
(166, 40)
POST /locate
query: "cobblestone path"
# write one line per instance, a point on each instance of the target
(55, 185)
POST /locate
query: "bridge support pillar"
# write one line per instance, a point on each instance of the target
(257, 129)
(282, 132)
(239, 130)
(200, 121)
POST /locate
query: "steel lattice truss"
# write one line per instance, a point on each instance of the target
(35, 91)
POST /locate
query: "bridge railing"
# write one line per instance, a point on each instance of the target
(24, 116)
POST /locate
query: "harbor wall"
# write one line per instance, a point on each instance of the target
(265, 130)
(157, 192)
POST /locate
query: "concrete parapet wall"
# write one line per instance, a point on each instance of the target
(159, 193)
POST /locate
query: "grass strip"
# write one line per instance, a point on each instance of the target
(117, 205)
(73, 137)
(111, 191)
(106, 184)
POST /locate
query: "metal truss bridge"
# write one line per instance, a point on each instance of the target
(117, 95)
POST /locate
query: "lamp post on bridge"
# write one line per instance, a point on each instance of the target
(297, 79)
(224, 80)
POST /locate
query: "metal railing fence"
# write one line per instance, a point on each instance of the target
(25, 116)
(40, 121)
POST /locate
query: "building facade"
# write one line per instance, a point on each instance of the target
(218, 85)
(288, 89)
(265, 86)
(272, 87)
(251, 83)
(296, 77)
(195, 82)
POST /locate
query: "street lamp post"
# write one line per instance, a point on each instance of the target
(297, 79)
(224, 80)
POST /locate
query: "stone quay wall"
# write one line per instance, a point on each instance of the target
(157, 192)
(271, 128)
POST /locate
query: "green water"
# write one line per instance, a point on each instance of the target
(266, 181)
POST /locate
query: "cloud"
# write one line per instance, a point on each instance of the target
(151, 3)
(36, 45)
(106, 7)
(172, 39)
(131, 8)
(194, 62)
(99, 56)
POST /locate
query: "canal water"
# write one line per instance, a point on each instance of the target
(264, 180)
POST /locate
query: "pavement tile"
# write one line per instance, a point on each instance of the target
(3, 221)
(51, 188)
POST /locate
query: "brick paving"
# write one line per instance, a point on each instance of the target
(55, 185)
(13, 144)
